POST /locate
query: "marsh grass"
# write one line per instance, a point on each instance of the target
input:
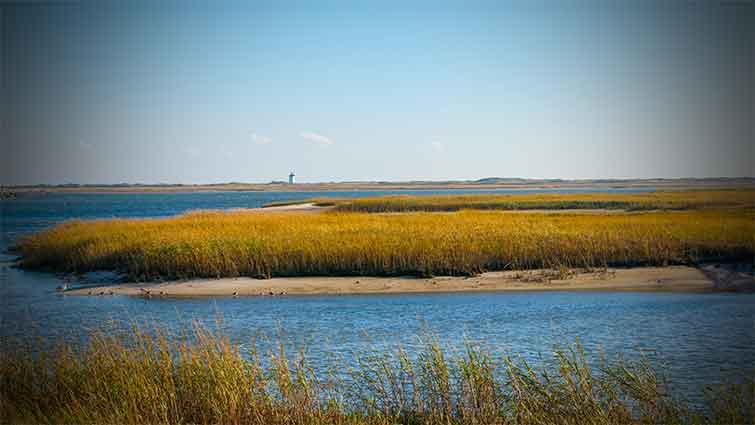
(663, 200)
(149, 378)
(237, 243)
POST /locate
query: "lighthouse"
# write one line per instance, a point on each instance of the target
(291, 178)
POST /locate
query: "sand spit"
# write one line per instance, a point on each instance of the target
(669, 279)
(305, 207)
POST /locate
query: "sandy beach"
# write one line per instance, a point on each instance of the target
(304, 207)
(672, 279)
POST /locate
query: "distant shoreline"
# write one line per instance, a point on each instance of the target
(484, 184)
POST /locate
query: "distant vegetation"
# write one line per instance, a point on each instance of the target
(486, 183)
(147, 379)
(238, 243)
(679, 200)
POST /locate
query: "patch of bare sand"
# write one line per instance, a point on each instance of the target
(673, 278)
(306, 207)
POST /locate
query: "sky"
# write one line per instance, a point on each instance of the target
(209, 92)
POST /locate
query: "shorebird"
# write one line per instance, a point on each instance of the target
(235, 293)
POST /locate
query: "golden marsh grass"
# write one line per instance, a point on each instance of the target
(228, 244)
(149, 378)
(667, 200)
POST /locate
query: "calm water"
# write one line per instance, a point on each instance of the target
(696, 339)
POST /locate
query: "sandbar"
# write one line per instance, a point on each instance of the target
(669, 279)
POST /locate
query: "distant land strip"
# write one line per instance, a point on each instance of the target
(485, 183)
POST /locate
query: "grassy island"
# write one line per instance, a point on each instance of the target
(703, 226)
(645, 201)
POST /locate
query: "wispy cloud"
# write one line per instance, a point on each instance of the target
(437, 146)
(84, 145)
(316, 138)
(261, 140)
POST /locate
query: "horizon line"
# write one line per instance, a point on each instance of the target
(483, 180)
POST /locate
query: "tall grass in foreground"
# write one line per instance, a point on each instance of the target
(148, 379)
(229, 244)
(679, 200)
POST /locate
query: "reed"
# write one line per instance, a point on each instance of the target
(671, 200)
(149, 378)
(263, 245)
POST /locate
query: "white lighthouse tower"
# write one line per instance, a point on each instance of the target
(291, 178)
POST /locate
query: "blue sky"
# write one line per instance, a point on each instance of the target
(194, 92)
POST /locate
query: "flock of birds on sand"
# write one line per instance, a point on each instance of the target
(147, 293)
(64, 287)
